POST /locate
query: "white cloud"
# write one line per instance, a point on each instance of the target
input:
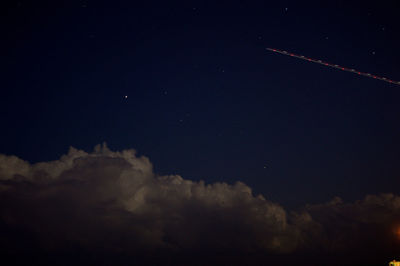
(105, 190)
(113, 201)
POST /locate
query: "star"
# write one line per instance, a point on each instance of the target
(126, 97)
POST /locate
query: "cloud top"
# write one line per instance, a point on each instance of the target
(107, 202)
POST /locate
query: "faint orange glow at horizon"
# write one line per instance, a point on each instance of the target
(397, 232)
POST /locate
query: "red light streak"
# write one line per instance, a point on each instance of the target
(334, 66)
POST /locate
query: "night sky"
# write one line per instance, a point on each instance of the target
(190, 86)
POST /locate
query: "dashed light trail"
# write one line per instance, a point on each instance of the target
(334, 66)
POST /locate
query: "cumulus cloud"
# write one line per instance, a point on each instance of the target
(108, 202)
(372, 223)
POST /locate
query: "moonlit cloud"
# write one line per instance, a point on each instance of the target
(113, 202)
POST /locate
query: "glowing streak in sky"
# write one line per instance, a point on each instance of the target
(334, 66)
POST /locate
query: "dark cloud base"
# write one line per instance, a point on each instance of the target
(110, 208)
(76, 256)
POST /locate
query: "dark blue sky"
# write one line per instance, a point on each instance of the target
(205, 99)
